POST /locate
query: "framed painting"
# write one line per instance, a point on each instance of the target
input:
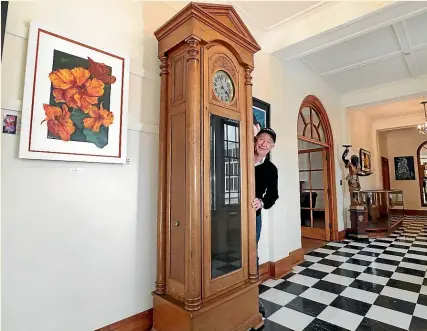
(75, 101)
(4, 8)
(261, 112)
(365, 160)
(404, 168)
(261, 119)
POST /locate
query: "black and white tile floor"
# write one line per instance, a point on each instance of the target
(348, 285)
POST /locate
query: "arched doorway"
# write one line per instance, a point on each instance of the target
(317, 172)
(422, 172)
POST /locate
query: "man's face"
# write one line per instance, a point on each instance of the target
(263, 144)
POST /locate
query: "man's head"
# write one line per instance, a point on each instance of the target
(265, 141)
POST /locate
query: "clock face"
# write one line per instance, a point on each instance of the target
(223, 86)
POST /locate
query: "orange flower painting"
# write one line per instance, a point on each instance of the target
(80, 100)
(75, 88)
(98, 117)
(59, 122)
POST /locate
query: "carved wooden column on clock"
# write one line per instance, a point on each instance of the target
(193, 270)
(162, 195)
(206, 262)
(253, 272)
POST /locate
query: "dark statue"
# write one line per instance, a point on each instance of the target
(355, 171)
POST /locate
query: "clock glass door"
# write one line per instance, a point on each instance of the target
(225, 182)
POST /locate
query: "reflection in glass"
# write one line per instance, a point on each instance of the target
(316, 160)
(302, 145)
(317, 180)
(306, 113)
(303, 161)
(314, 118)
(312, 189)
(226, 251)
(321, 133)
(310, 125)
(301, 125)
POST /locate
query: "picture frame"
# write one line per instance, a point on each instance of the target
(404, 168)
(365, 160)
(261, 112)
(10, 123)
(75, 105)
(261, 116)
(4, 9)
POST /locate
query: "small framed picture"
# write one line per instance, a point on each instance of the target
(10, 123)
(404, 168)
(365, 160)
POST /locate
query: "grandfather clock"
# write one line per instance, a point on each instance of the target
(206, 250)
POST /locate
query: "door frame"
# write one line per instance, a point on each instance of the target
(329, 171)
(420, 173)
(384, 161)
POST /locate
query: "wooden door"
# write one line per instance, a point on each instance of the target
(314, 193)
(385, 173)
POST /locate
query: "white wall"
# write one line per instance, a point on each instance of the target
(388, 124)
(289, 89)
(79, 249)
(267, 79)
(404, 142)
(361, 129)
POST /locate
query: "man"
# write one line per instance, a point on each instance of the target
(266, 192)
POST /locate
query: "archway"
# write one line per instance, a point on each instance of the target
(422, 172)
(317, 172)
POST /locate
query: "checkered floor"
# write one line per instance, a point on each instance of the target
(348, 285)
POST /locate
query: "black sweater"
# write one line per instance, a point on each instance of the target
(266, 184)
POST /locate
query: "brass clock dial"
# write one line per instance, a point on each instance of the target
(223, 86)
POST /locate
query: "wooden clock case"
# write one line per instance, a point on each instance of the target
(197, 42)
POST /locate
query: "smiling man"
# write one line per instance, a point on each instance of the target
(266, 177)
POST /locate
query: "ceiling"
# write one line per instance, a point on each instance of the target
(274, 13)
(261, 16)
(392, 53)
(387, 45)
(395, 109)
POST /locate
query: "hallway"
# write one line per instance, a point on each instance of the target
(379, 286)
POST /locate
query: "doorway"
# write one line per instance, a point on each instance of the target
(316, 172)
(422, 172)
(385, 170)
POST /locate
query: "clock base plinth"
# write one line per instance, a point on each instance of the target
(236, 310)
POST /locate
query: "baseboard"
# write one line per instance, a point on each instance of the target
(416, 212)
(283, 266)
(139, 322)
(342, 234)
(297, 256)
(264, 271)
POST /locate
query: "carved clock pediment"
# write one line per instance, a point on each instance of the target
(228, 16)
(208, 22)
